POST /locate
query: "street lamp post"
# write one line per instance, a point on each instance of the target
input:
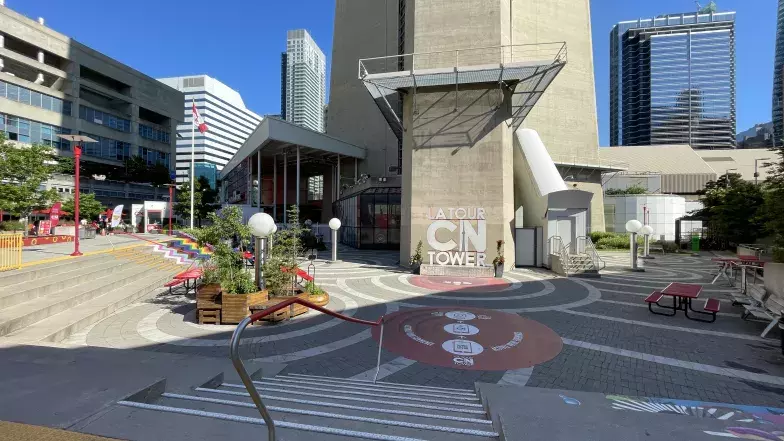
(646, 231)
(334, 225)
(756, 168)
(633, 227)
(261, 225)
(727, 175)
(80, 139)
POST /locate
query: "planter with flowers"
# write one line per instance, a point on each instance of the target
(498, 261)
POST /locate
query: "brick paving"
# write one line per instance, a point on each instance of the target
(612, 344)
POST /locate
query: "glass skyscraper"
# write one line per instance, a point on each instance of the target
(672, 81)
(778, 71)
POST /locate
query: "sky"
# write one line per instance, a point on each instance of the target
(239, 41)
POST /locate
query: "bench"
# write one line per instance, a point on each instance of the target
(712, 306)
(655, 247)
(771, 306)
(172, 283)
(654, 297)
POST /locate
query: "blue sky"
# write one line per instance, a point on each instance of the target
(239, 41)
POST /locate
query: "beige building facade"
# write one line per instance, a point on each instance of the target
(461, 192)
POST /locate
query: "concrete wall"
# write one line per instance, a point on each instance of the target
(363, 29)
(459, 159)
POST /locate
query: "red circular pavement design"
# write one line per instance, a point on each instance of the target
(445, 283)
(469, 338)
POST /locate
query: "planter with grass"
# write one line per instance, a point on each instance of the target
(316, 294)
(416, 260)
(499, 260)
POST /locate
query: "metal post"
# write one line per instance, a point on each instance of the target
(171, 204)
(633, 250)
(258, 173)
(275, 187)
(234, 351)
(356, 170)
(337, 192)
(285, 188)
(378, 358)
(259, 255)
(77, 155)
(645, 248)
(334, 245)
(297, 186)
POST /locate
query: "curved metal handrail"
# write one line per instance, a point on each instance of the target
(243, 373)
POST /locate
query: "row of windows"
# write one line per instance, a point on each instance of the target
(153, 157)
(106, 148)
(33, 98)
(33, 132)
(154, 133)
(104, 119)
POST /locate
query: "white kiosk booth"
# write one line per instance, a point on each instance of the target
(149, 216)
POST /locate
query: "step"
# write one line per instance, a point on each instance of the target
(40, 287)
(8, 278)
(27, 313)
(60, 326)
(379, 394)
(296, 412)
(351, 426)
(278, 393)
(385, 383)
(283, 382)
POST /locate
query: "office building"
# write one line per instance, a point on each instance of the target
(305, 85)
(778, 76)
(672, 80)
(229, 122)
(51, 84)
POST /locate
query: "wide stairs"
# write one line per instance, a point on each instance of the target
(307, 407)
(49, 302)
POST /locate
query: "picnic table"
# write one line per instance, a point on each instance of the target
(728, 264)
(188, 276)
(682, 296)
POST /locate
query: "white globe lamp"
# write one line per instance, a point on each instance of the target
(261, 225)
(633, 227)
(334, 225)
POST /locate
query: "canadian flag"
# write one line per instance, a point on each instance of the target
(197, 121)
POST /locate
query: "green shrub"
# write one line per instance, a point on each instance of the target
(313, 289)
(598, 235)
(778, 254)
(12, 226)
(615, 241)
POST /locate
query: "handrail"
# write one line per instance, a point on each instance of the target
(590, 249)
(243, 373)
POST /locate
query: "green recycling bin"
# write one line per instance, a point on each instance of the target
(695, 243)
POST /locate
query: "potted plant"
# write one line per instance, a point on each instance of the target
(237, 288)
(316, 294)
(281, 265)
(416, 259)
(498, 261)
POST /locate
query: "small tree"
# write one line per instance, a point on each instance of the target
(774, 203)
(228, 229)
(89, 207)
(281, 265)
(734, 209)
(205, 200)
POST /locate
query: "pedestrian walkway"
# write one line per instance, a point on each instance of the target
(51, 252)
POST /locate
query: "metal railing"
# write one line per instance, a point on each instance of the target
(585, 245)
(243, 373)
(11, 250)
(558, 248)
(554, 52)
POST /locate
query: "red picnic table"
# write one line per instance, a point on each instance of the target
(682, 295)
(188, 276)
(727, 264)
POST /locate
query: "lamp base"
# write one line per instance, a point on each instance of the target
(76, 253)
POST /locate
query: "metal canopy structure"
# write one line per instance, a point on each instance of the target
(525, 70)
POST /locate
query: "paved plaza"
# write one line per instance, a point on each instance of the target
(609, 342)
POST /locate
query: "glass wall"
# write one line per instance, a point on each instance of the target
(33, 98)
(106, 148)
(152, 157)
(104, 119)
(371, 219)
(154, 133)
(33, 132)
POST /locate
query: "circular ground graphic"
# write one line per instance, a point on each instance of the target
(446, 283)
(469, 338)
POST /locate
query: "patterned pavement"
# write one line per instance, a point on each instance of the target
(610, 342)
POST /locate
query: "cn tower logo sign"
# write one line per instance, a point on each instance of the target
(457, 236)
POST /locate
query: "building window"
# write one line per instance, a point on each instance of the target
(104, 119)
(154, 133)
(152, 157)
(33, 98)
(106, 148)
(33, 132)
(316, 188)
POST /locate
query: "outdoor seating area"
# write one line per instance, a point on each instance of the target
(683, 295)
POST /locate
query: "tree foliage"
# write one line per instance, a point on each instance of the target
(634, 189)
(89, 207)
(735, 209)
(23, 171)
(774, 203)
(228, 266)
(286, 247)
(205, 200)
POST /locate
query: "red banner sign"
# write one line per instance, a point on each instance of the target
(54, 214)
(44, 227)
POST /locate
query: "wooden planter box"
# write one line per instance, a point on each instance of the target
(208, 297)
(235, 307)
(284, 313)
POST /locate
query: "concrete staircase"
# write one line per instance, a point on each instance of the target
(49, 302)
(581, 265)
(307, 407)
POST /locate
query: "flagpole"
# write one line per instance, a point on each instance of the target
(193, 149)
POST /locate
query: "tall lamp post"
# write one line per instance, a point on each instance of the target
(727, 175)
(633, 227)
(261, 225)
(172, 177)
(79, 139)
(334, 225)
(756, 168)
(646, 231)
